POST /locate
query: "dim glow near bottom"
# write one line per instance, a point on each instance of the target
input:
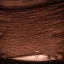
(34, 58)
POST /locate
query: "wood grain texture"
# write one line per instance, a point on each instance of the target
(25, 31)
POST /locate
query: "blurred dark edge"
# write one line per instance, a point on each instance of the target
(10, 61)
(2, 7)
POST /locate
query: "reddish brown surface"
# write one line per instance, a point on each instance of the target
(25, 31)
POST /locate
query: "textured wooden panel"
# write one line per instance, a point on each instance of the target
(34, 29)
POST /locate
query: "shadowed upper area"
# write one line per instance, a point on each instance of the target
(17, 4)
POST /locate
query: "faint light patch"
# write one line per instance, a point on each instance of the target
(40, 57)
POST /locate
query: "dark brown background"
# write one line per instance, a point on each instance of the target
(24, 31)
